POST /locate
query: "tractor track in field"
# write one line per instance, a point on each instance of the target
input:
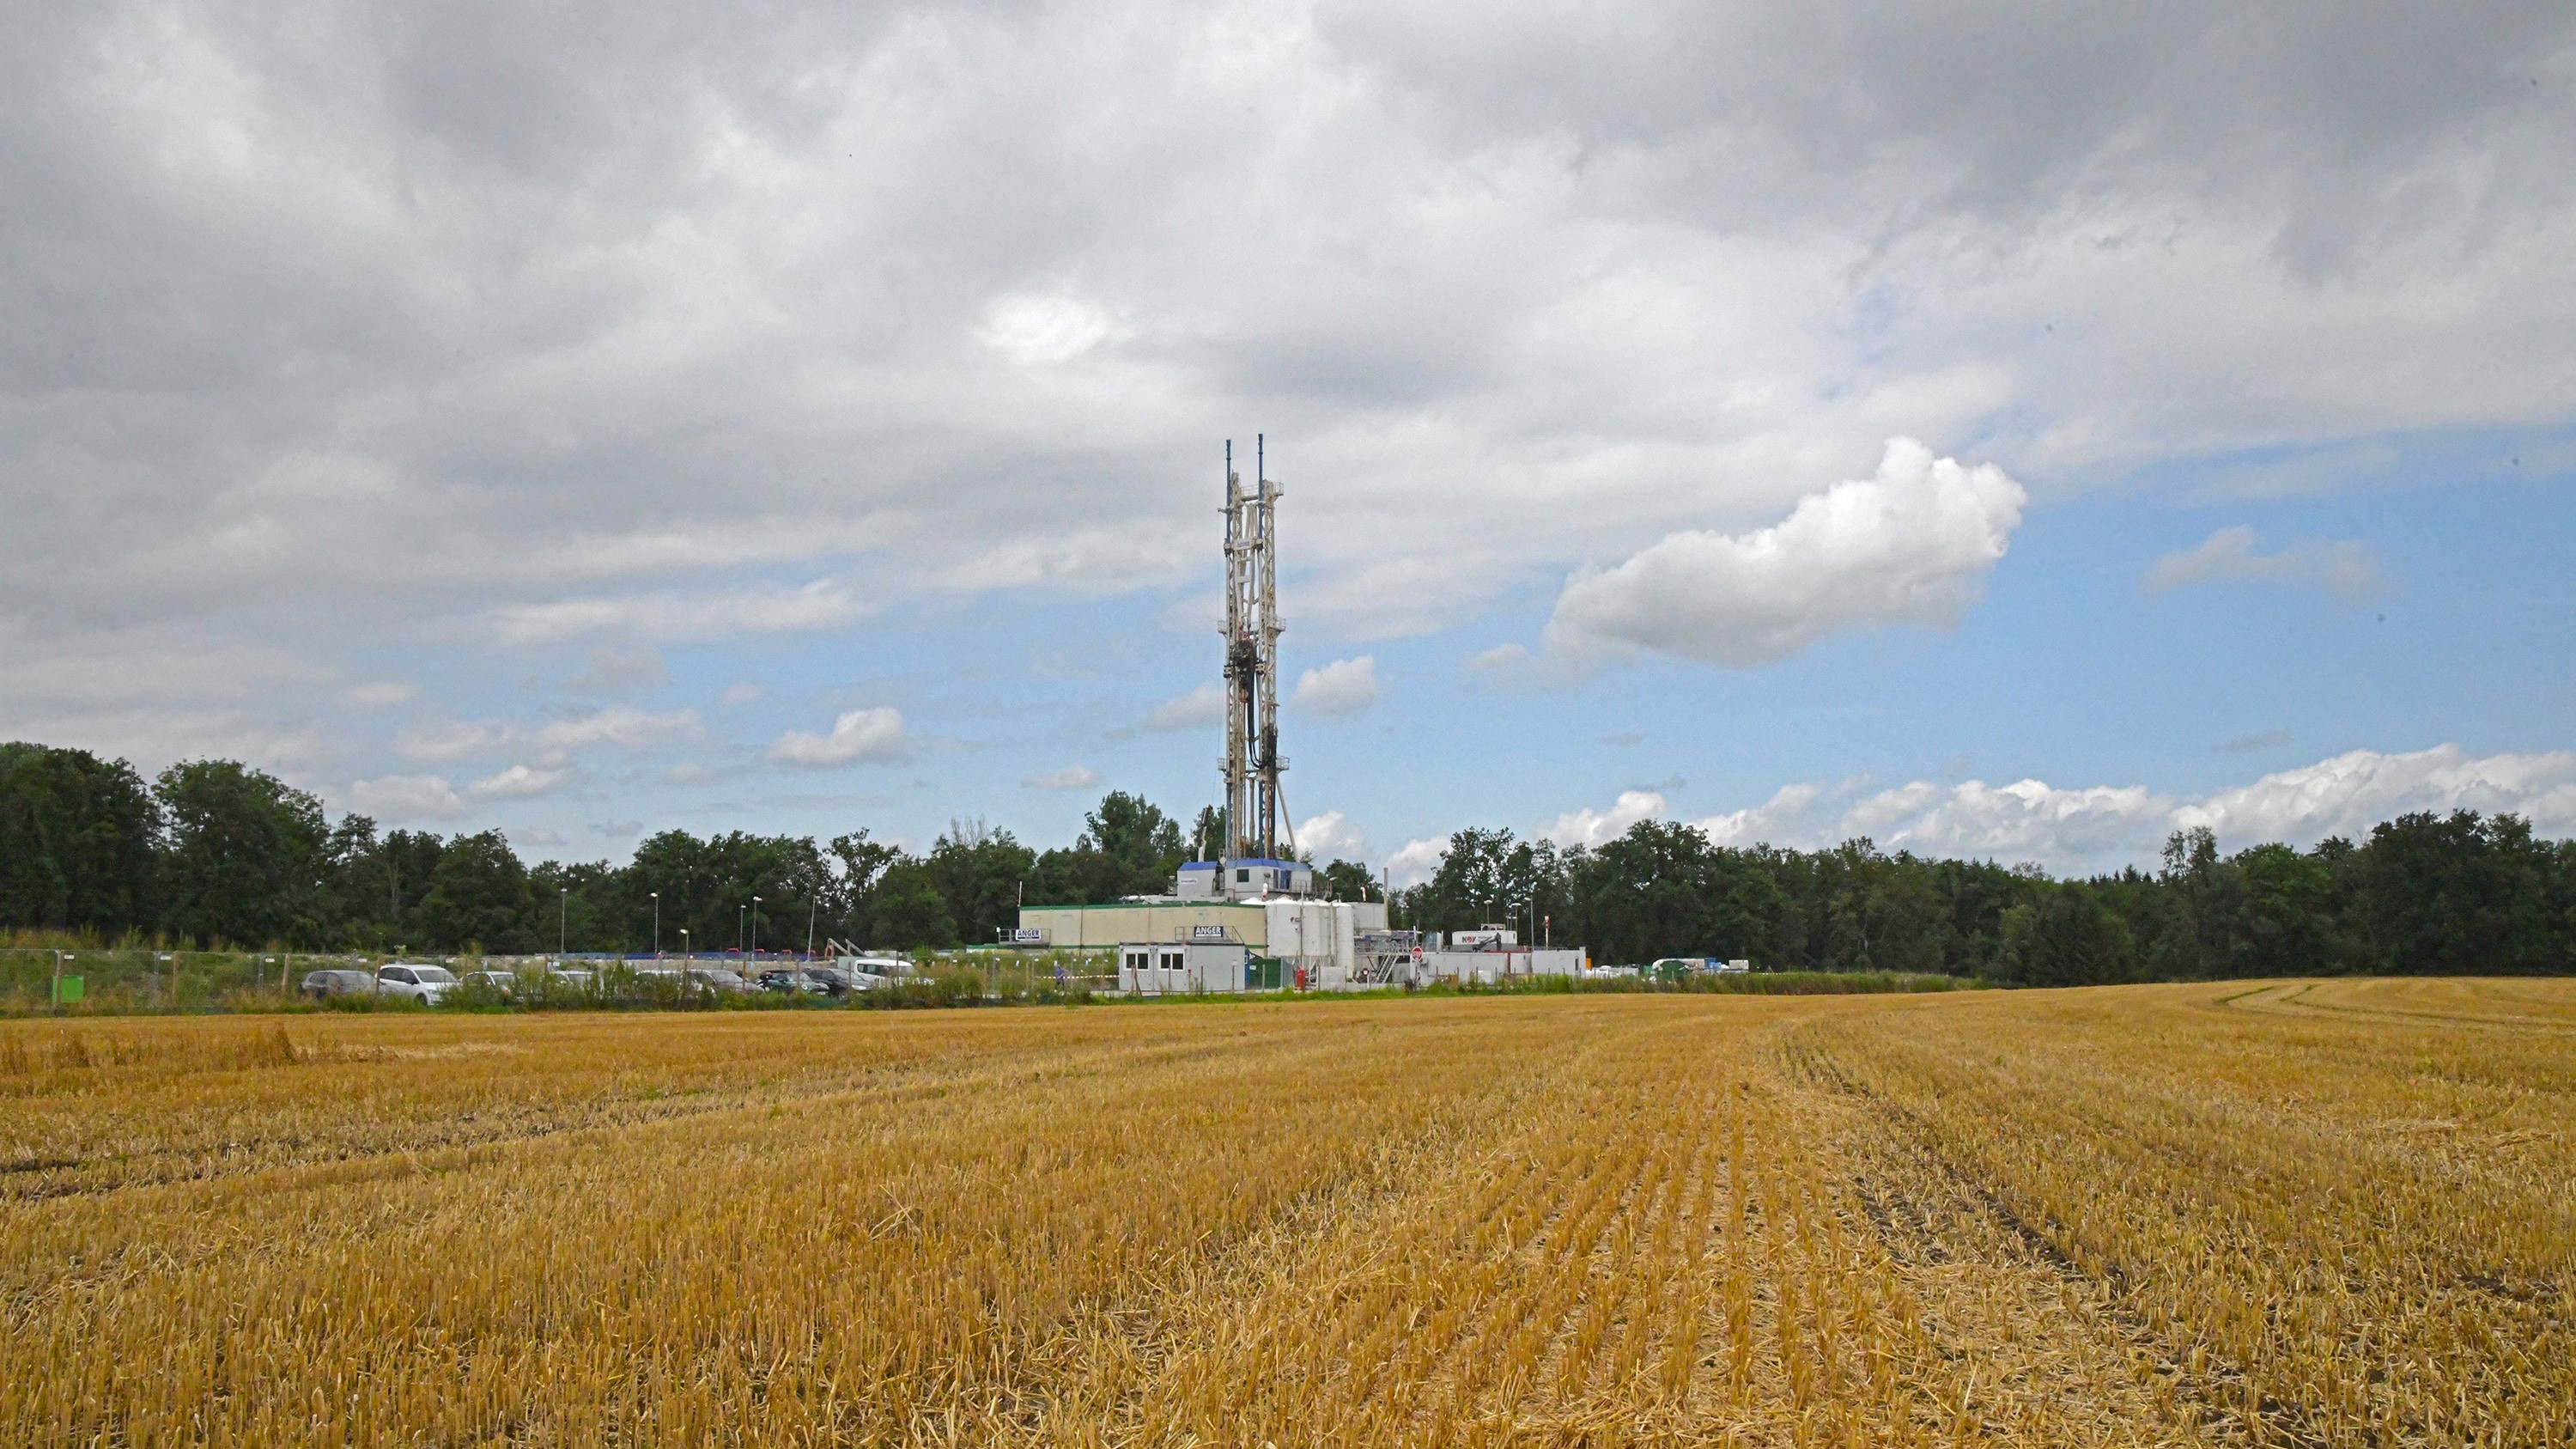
(1912, 1234)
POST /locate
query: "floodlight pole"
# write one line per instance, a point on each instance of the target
(563, 924)
(657, 925)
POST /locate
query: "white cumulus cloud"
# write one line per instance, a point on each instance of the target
(1198, 709)
(2347, 794)
(2100, 827)
(1343, 687)
(2345, 568)
(1415, 861)
(519, 782)
(406, 797)
(858, 735)
(1912, 545)
(1071, 777)
(1331, 836)
(1599, 827)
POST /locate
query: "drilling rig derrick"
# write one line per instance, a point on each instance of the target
(1254, 816)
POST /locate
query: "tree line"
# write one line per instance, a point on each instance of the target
(2421, 894)
(212, 852)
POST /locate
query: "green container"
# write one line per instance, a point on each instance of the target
(67, 990)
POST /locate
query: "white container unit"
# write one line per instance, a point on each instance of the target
(1181, 968)
(1491, 968)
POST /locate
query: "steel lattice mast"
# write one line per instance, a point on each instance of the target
(1252, 758)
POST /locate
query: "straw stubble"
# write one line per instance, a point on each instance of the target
(2173, 1215)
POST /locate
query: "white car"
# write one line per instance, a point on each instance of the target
(410, 982)
(872, 973)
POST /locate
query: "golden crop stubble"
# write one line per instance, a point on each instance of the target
(811, 1265)
(2248, 1168)
(2036, 1218)
(1655, 1248)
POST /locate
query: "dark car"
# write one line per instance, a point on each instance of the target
(810, 983)
(337, 981)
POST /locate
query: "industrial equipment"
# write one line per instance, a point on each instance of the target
(1254, 816)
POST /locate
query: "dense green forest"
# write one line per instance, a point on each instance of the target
(215, 852)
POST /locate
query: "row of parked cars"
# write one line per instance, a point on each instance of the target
(430, 983)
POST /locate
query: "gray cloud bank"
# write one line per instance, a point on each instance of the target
(346, 332)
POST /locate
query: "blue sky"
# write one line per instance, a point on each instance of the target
(2000, 435)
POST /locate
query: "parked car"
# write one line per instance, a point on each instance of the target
(718, 978)
(423, 983)
(815, 982)
(505, 983)
(337, 981)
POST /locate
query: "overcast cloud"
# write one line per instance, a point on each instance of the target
(352, 348)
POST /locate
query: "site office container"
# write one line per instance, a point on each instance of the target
(1186, 968)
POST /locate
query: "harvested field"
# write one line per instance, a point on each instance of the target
(2331, 1213)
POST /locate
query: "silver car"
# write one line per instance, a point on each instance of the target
(411, 982)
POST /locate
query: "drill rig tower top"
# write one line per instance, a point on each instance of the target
(1254, 816)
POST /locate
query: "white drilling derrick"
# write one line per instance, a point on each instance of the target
(1254, 823)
